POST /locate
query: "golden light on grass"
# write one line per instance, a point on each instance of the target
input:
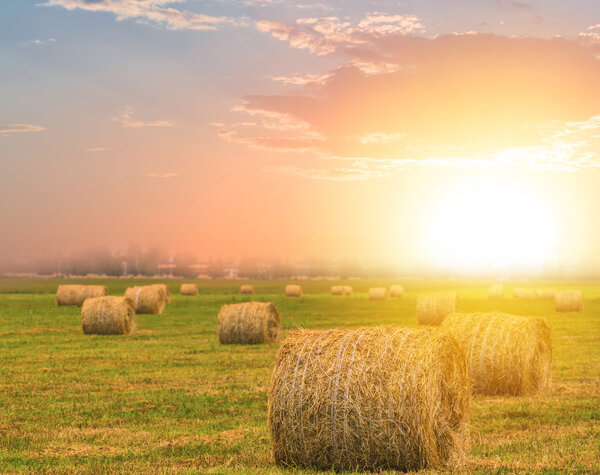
(507, 354)
(249, 323)
(108, 316)
(496, 291)
(369, 399)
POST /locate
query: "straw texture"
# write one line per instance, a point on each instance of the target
(369, 399)
(396, 291)
(293, 290)
(188, 289)
(247, 289)
(147, 298)
(507, 354)
(433, 308)
(165, 289)
(108, 316)
(496, 291)
(76, 294)
(378, 293)
(249, 323)
(568, 301)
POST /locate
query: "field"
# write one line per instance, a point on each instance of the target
(169, 398)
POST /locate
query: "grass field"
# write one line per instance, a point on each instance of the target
(169, 398)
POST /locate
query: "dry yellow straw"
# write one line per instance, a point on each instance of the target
(250, 322)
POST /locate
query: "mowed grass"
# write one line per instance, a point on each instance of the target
(171, 399)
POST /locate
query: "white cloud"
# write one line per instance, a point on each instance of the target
(124, 118)
(19, 129)
(38, 42)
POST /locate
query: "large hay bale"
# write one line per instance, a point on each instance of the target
(337, 290)
(247, 289)
(496, 291)
(396, 291)
(506, 354)
(293, 290)
(378, 293)
(568, 301)
(147, 299)
(166, 290)
(348, 290)
(545, 294)
(523, 293)
(249, 322)
(108, 316)
(433, 308)
(188, 289)
(369, 399)
(77, 294)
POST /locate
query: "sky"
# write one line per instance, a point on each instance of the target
(450, 134)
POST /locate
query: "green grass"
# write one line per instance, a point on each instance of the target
(171, 399)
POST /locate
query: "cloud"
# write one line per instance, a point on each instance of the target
(19, 129)
(124, 118)
(156, 12)
(302, 80)
(162, 174)
(329, 174)
(326, 35)
(455, 100)
(38, 42)
(95, 149)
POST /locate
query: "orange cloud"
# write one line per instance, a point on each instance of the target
(124, 118)
(19, 129)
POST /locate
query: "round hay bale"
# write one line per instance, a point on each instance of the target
(77, 294)
(523, 293)
(188, 289)
(147, 299)
(568, 301)
(545, 294)
(165, 289)
(108, 316)
(378, 293)
(249, 322)
(433, 308)
(396, 291)
(369, 399)
(293, 290)
(247, 289)
(496, 291)
(337, 290)
(507, 354)
(348, 290)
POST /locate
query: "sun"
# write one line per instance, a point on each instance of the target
(491, 225)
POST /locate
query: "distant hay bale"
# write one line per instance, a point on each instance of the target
(523, 293)
(506, 354)
(433, 308)
(378, 293)
(496, 291)
(396, 291)
(568, 301)
(293, 290)
(108, 316)
(348, 290)
(247, 289)
(369, 399)
(77, 294)
(188, 289)
(545, 294)
(249, 323)
(337, 290)
(166, 290)
(147, 299)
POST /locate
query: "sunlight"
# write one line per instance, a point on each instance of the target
(491, 225)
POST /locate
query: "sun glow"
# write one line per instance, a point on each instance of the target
(493, 226)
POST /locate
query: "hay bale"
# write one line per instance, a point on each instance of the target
(496, 291)
(188, 289)
(337, 290)
(293, 291)
(506, 354)
(147, 299)
(545, 294)
(433, 308)
(77, 294)
(247, 289)
(348, 290)
(165, 289)
(568, 301)
(369, 399)
(108, 316)
(249, 322)
(523, 293)
(396, 291)
(378, 293)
